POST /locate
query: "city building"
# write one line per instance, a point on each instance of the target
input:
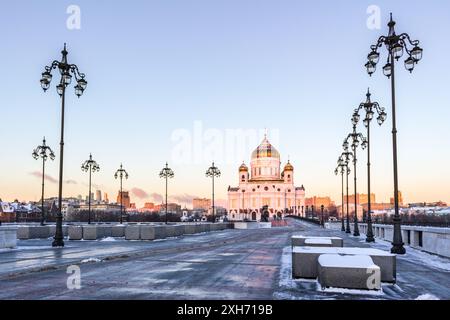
(317, 202)
(98, 196)
(361, 198)
(265, 184)
(201, 203)
(351, 211)
(149, 206)
(125, 199)
(400, 199)
(171, 208)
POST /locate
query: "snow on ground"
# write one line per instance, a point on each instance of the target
(90, 260)
(426, 296)
(351, 291)
(286, 280)
(108, 239)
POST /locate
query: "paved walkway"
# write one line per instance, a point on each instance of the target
(229, 264)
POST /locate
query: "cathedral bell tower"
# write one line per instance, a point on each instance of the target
(243, 173)
(288, 173)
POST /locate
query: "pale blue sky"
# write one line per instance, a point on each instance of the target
(155, 67)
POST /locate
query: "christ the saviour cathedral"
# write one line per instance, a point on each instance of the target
(265, 185)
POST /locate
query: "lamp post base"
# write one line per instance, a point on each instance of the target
(58, 243)
(398, 248)
(356, 229)
(370, 238)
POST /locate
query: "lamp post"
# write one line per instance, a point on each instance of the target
(166, 173)
(355, 137)
(91, 166)
(43, 151)
(346, 161)
(395, 45)
(370, 109)
(121, 173)
(341, 168)
(212, 172)
(321, 210)
(67, 71)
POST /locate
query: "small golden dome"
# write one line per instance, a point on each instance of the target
(243, 167)
(288, 167)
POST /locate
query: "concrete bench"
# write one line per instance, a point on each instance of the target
(348, 271)
(75, 232)
(316, 242)
(178, 230)
(189, 229)
(300, 241)
(304, 260)
(132, 232)
(170, 230)
(118, 231)
(149, 232)
(33, 232)
(94, 232)
(8, 237)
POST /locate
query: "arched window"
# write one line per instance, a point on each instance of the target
(243, 177)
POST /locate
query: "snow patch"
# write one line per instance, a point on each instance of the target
(350, 291)
(427, 296)
(107, 239)
(91, 260)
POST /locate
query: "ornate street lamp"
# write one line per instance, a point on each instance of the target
(341, 168)
(91, 166)
(44, 152)
(212, 172)
(67, 72)
(166, 173)
(321, 219)
(120, 174)
(345, 156)
(395, 45)
(355, 139)
(370, 108)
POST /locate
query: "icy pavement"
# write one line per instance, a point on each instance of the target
(229, 264)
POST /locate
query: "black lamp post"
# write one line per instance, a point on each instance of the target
(341, 168)
(370, 108)
(121, 173)
(91, 166)
(212, 172)
(346, 161)
(44, 152)
(321, 211)
(166, 173)
(355, 137)
(395, 45)
(66, 71)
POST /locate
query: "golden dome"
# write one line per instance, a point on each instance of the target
(243, 167)
(265, 150)
(288, 167)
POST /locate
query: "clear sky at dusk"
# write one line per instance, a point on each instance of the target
(158, 69)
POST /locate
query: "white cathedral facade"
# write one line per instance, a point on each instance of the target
(265, 184)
